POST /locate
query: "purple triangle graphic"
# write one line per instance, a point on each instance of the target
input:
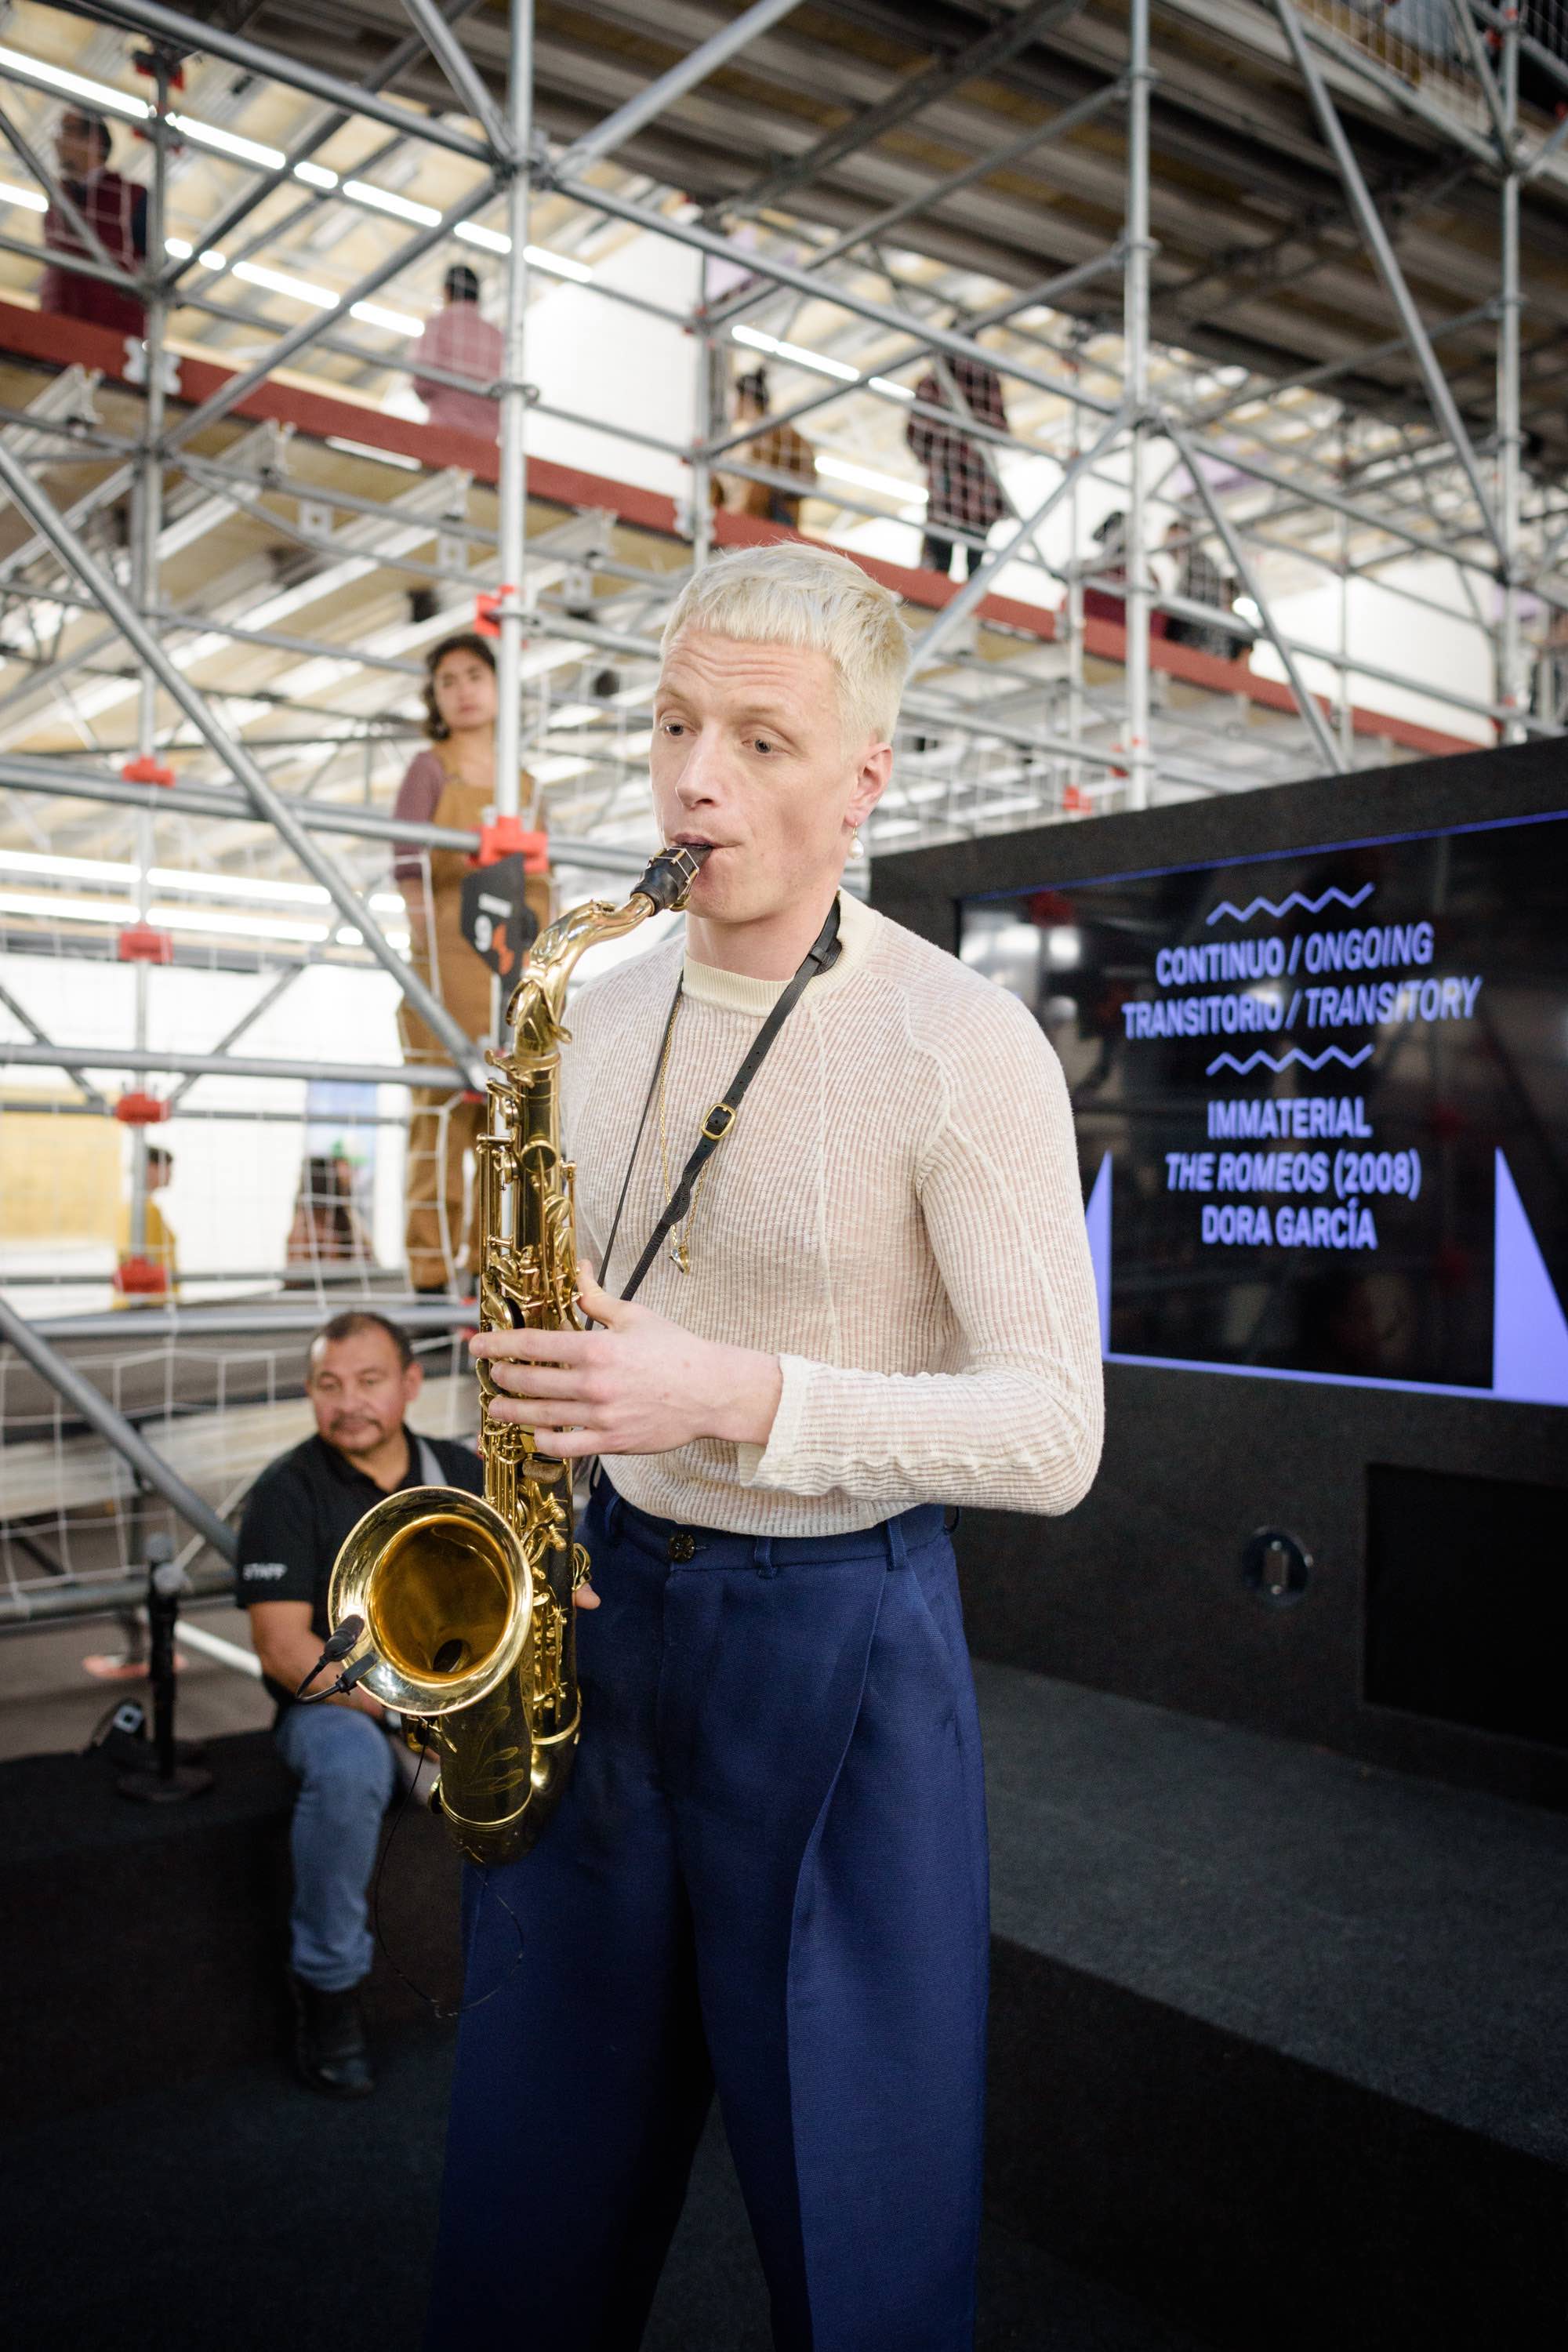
(1097, 1217)
(1530, 1332)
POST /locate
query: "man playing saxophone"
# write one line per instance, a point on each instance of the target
(767, 1872)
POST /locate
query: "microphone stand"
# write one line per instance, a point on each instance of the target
(162, 1780)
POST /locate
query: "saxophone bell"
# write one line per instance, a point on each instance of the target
(468, 1620)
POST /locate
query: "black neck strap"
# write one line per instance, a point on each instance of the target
(821, 956)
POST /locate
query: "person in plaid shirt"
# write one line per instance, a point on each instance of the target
(962, 492)
(777, 449)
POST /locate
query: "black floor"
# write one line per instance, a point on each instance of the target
(1406, 1937)
(240, 2214)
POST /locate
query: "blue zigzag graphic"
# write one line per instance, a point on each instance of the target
(1308, 906)
(1283, 1061)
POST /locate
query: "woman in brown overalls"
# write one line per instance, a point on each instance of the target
(451, 784)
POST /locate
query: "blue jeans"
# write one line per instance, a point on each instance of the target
(343, 1763)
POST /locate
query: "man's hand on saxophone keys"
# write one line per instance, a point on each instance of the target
(639, 1384)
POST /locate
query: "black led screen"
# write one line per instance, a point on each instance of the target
(1321, 1102)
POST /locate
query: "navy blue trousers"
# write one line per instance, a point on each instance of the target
(768, 1873)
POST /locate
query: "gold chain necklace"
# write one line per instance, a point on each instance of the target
(677, 1245)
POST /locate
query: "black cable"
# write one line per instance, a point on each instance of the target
(439, 2009)
(338, 1646)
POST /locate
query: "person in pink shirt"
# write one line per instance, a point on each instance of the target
(461, 342)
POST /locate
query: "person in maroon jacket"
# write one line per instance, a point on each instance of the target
(113, 209)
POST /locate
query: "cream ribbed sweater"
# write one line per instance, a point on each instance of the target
(895, 1215)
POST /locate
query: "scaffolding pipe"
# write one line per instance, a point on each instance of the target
(20, 1610)
(35, 1346)
(1138, 605)
(840, 297)
(40, 1036)
(1306, 703)
(461, 72)
(237, 758)
(63, 202)
(628, 119)
(143, 1058)
(244, 1320)
(1386, 261)
(512, 487)
(247, 380)
(996, 159)
(391, 66)
(929, 642)
(1509, 687)
(1051, 289)
(232, 1036)
(208, 39)
(147, 506)
(359, 824)
(30, 1107)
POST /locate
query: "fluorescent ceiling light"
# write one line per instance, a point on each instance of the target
(72, 869)
(177, 246)
(227, 142)
(555, 769)
(229, 920)
(179, 878)
(211, 260)
(257, 927)
(819, 361)
(558, 265)
(538, 257)
(279, 281)
(866, 478)
(66, 910)
(376, 314)
(315, 175)
(28, 198)
(387, 200)
(75, 85)
(364, 449)
(795, 354)
(494, 240)
(885, 384)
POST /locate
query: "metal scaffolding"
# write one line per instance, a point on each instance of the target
(868, 262)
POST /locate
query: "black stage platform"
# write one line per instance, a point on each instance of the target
(1278, 2040)
(1279, 2047)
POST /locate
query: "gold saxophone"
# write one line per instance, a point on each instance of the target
(465, 1605)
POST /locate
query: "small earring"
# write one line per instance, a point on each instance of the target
(856, 846)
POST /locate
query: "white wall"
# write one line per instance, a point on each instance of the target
(605, 359)
(231, 1198)
(1436, 649)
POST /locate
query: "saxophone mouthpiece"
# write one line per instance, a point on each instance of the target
(671, 875)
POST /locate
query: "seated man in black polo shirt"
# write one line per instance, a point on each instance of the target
(361, 1379)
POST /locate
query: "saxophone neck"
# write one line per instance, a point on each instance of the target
(538, 1003)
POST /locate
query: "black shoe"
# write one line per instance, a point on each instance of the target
(329, 2041)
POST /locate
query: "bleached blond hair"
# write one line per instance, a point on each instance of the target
(787, 595)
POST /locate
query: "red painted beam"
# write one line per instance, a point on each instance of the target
(63, 343)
